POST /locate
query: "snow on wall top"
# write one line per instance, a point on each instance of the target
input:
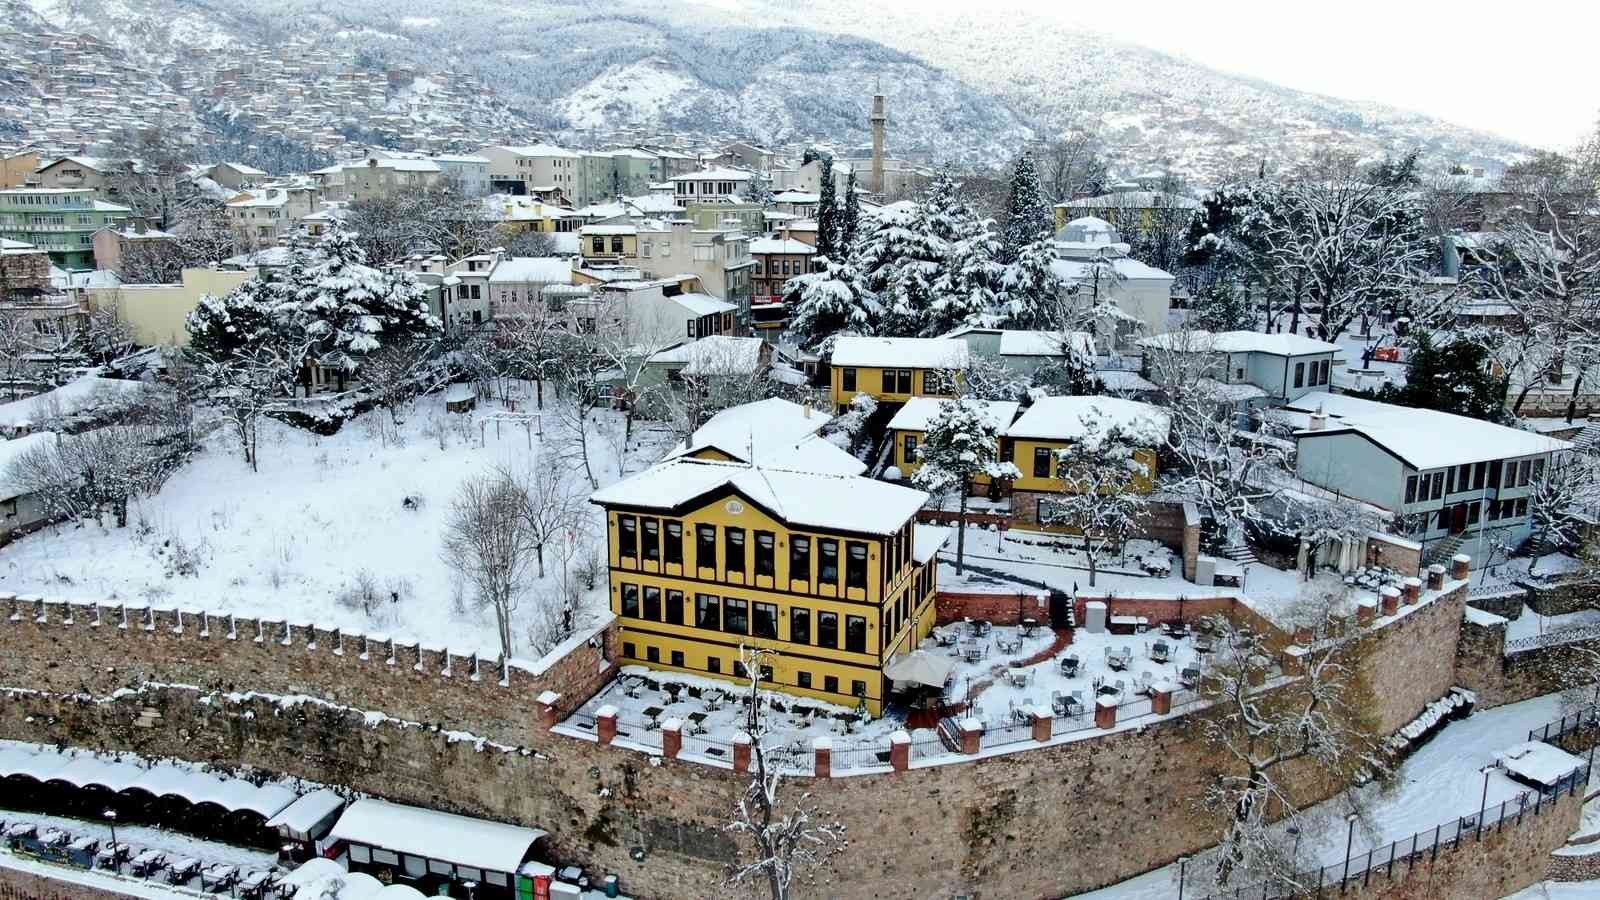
(1423, 438)
(435, 835)
(1068, 418)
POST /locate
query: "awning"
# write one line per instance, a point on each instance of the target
(446, 837)
(920, 667)
(303, 815)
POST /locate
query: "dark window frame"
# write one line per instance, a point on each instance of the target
(630, 599)
(827, 629)
(764, 613)
(800, 625)
(855, 634)
(855, 565)
(766, 554)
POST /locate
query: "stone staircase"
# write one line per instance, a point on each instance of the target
(1589, 438)
(1442, 552)
(1240, 553)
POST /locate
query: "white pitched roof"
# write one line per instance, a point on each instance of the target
(1280, 344)
(919, 411)
(1044, 343)
(803, 499)
(716, 354)
(703, 304)
(477, 843)
(75, 396)
(921, 353)
(1424, 438)
(303, 814)
(519, 269)
(1067, 418)
(542, 150)
(774, 432)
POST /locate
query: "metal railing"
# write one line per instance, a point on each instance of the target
(1567, 724)
(1554, 638)
(1408, 851)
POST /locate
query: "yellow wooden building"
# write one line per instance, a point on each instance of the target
(830, 571)
(909, 429)
(893, 370)
(1053, 424)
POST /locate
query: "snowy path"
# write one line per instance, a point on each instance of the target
(1441, 780)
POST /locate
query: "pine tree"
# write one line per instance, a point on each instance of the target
(827, 214)
(830, 302)
(1029, 295)
(899, 263)
(961, 443)
(346, 308)
(1453, 378)
(1218, 307)
(1027, 217)
(964, 293)
(219, 327)
(850, 219)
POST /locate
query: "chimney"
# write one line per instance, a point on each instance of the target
(1318, 421)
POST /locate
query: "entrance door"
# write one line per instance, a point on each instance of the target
(1458, 518)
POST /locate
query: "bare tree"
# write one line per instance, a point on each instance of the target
(1562, 503)
(249, 383)
(1258, 730)
(554, 510)
(104, 335)
(787, 840)
(488, 541)
(1104, 490)
(1071, 166)
(80, 475)
(16, 342)
(397, 373)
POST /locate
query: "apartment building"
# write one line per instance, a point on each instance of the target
(539, 169)
(720, 258)
(470, 174)
(60, 221)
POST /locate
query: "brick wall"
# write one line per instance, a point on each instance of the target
(1402, 556)
(1499, 678)
(19, 885)
(1001, 609)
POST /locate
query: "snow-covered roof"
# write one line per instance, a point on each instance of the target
(1280, 344)
(104, 206)
(303, 814)
(541, 150)
(1132, 200)
(1044, 343)
(399, 164)
(452, 158)
(465, 841)
(86, 770)
(522, 269)
(926, 541)
(716, 354)
(1127, 267)
(920, 353)
(242, 169)
(88, 392)
(720, 173)
(919, 411)
(13, 450)
(1124, 380)
(780, 245)
(1423, 438)
(797, 197)
(703, 304)
(773, 432)
(1538, 762)
(1234, 392)
(801, 499)
(1068, 418)
(609, 229)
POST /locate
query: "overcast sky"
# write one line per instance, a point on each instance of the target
(1528, 70)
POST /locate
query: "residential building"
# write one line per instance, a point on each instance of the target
(465, 294)
(771, 432)
(377, 177)
(750, 218)
(1054, 424)
(831, 572)
(517, 214)
(47, 314)
(531, 170)
(517, 284)
(1095, 267)
(72, 172)
(1447, 478)
(469, 174)
(695, 365)
(802, 204)
(17, 169)
(617, 243)
(1025, 352)
(110, 244)
(1284, 366)
(894, 370)
(60, 221)
(21, 509)
(237, 176)
(807, 179)
(747, 155)
(1131, 209)
(777, 259)
(908, 428)
(156, 312)
(657, 313)
(720, 258)
(712, 186)
(264, 216)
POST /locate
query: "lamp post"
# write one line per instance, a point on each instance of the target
(1294, 855)
(111, 819)
(1349, 841)
(1183, 867)
(1483, 803)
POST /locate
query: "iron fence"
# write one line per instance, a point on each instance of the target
(709, 748)
(1567, 724)
(1553, 638)
(1408, 851)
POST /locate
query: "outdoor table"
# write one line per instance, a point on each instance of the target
(713, 698)
(1029, 626)
(653, 713)
(972, 654)
(1069, 666)
(947, 638)
(1017, 677)
(697, 722)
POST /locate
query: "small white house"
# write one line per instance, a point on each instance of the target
(20, 511)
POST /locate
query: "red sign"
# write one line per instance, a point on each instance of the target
(541, 887)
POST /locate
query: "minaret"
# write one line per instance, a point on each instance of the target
(879, 117)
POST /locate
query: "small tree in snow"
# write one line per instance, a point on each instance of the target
(554, 510)
(248, 383)
(488, 540)
(962, 443)
(80, 475)
(1563, 500)
(1323, 718)
(1030, 289)
(1104, 484)
(396, 374)
(786, 840)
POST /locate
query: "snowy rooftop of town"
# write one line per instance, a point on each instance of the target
(609, 229)
(464, 841)
(806, 499)
(1538, 762)
(716, 354)
(73, 397)
(540, 150)
(797, 197)
(919, 411)
(1069, 418)
(519, 269)
(780, 245)
(921, 353)
(1280, 344)
(162, 779)
(775, 421)
(703, 304)
(715, 174)
(1124, 380)
(1424, 438)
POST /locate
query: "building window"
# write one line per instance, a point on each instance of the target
(630, 600)
(799, 558)
(1478, 473)
(803, 679)
(674, 607)
(904, 387)
(652, 603)
(764, 620)
(1411, 489)
(677, 659)
(1322, 371)
(828, 630)
(855, 634)
(707, 612)
(652, 539)
(766, 555)
(800, 625)
(1522, 507)
(629, 651)
(598, 245)
(828, 561)
(653, 654)
(1524, 472)
(733, 550)
(739, 671)
(616, 245)
(858, 688)
(847, 380)
(855, 565)
(1041, 462)
(705, 550)
(1511, 474)
(735, 616)
(714, 665)
(1538, 470)
(674, 548)
(628, 539)
(1299, 374)
(830, 684)
(1437, 490)
(910, 454)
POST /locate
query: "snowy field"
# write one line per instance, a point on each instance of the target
(1443, 779)
(323, 515)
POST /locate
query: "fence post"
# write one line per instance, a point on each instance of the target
(1522, 804)
(1366, 876)
(1388, 873)
(1436, 841)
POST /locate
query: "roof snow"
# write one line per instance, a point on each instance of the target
(541, 150)
(1044, 343)
(716, 354)
(522, 269)
(73, 397)
(926, 541)
(772, 432)
(15, 449)
(1423, 438)
(1538, 762)
(609, 229)
(716, 174)
(1126, 267)
(780, 245)
(1123, 380)
(1068, 418)
(920, 411)
(798, 498)
(1132, 200)
(703, 304)
(921, 353)
(303, 814)
(1199, 341)
(797, 197)
(477, 843)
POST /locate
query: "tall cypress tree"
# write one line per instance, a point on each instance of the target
(1027, 217)
(827, 215)
(850, 219)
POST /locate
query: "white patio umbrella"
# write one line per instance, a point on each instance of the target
(920, 667)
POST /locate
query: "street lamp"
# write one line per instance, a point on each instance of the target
(1183, 866)
(1294, 855)
(111, 818)
(1483, 804)
(472, 889)
(1349, 841)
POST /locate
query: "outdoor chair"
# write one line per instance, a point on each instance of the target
(1160, 651)
(1069, 666)
(1190, 676)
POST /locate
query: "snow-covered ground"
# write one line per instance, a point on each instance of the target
(1442, 780)
(1531, 624)
(322, 514)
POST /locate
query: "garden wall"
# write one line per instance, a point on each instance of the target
(19, 885)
